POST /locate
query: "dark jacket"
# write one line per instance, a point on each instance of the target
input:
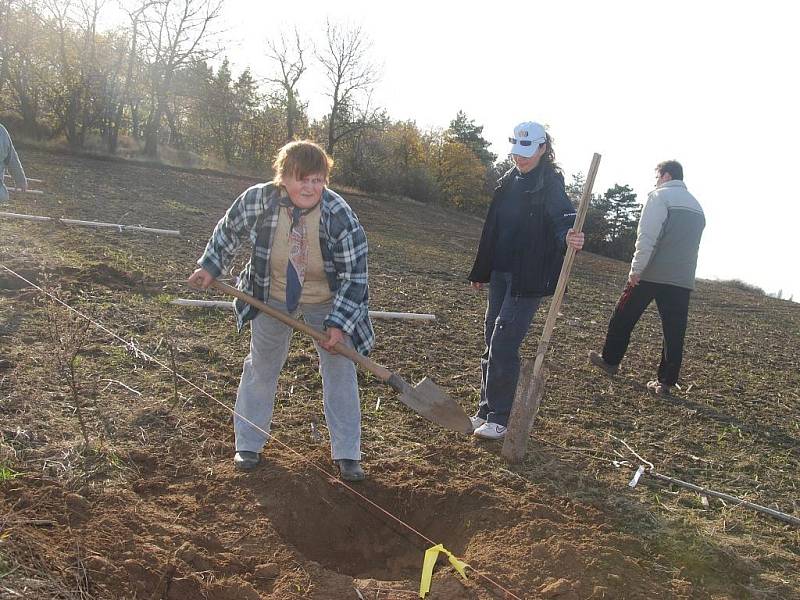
(541, 239)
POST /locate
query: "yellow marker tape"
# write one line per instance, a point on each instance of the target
(431, 554)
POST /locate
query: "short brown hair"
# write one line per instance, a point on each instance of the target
(300, 159)
(673, 167)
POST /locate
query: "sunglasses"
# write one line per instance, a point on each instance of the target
(524, 142)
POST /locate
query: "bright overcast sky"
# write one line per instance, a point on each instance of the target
(713, 84)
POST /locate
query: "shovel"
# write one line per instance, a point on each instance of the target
(530, 388)
(425, 398)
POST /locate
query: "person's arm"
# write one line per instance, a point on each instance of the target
(654, 214)
(481, 271)
(231, 231)
(13, 164)
(349, 254)
(561, 214)
(201, 279)
(575, 239)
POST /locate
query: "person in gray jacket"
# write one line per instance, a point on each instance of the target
(9, 160)
(663, 269)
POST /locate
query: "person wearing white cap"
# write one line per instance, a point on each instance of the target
(525, 236)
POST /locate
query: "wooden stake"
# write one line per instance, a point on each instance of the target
(530, 388)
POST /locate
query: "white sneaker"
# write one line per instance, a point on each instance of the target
(491, 431)
(476, 421)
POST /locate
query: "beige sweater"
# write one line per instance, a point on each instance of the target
(315, 286)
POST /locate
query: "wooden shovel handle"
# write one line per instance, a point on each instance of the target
(379, 371)
(566, 267)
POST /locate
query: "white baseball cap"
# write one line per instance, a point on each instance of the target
(528, 136)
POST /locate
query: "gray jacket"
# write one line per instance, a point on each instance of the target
(668, 237)
(9, 160)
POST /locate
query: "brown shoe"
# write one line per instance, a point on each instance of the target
(597, 360)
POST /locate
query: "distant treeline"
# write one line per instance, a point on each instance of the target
(146, 87)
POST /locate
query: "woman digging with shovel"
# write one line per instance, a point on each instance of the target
(525, 235)
(309, 256)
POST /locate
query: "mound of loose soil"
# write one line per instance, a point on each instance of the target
(152, 507)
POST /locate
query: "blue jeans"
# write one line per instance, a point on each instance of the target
(507, 321)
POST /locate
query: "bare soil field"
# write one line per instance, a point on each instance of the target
(151, 508)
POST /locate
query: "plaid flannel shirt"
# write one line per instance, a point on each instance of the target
(342, 240)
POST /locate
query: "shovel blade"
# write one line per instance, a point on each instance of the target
(429, 400)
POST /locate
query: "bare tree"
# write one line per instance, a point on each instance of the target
(175, 33)
(292, 66)
(123, 88)
(5, 18)
(351, 76)
(24, 62)
(80, 70)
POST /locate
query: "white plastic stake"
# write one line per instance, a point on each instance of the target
(30, 179)
(632, 483)
(16, 189)
(375, 314)
(117, 226)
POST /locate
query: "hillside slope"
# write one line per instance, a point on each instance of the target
(153, 508)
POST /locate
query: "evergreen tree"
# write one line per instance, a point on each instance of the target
(622, 218)
(623, 210)
(500, 168)
(611, 220)
(464, 130)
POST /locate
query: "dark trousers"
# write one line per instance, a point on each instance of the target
(673, 307)
(507, 321)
